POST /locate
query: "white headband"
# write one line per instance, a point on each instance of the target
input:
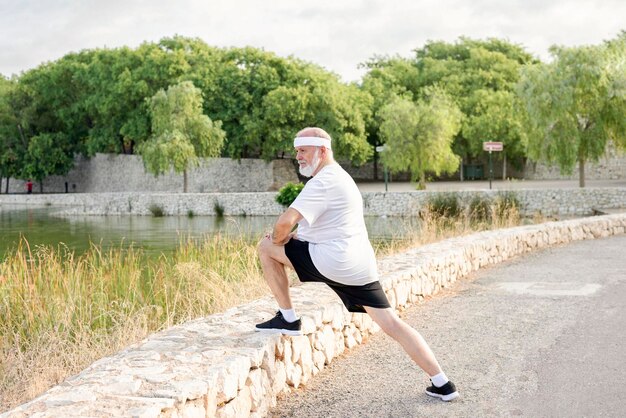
(303, 141)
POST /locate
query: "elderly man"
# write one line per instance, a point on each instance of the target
(331, 246)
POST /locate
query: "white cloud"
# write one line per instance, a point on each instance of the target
(335, 34)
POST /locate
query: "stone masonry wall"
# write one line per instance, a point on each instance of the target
(610, 167)
(219, 367)
(126, 173)
(574, 201)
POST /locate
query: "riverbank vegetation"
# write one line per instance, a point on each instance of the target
(60, 311)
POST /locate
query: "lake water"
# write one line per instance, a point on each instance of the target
(155, 235)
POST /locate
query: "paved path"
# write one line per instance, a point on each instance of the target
(482, 184)
(542, 335)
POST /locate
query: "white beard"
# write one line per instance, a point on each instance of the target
(308, 170)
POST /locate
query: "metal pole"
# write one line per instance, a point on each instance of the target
(385, 169)
(490, 170)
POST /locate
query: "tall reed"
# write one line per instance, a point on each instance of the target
(60, 311)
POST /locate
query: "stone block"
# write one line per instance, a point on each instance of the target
(308, 325)
(306, 362)
(287, 353)
(319, 359)
(280, 377)
(298, 345)
(319, 340)
(328, 343)
(402, 293)
(348, 334)
(193, 409)
(231, 377)
(294, 374)
(239, 407)
(260, 389)
(340, 345)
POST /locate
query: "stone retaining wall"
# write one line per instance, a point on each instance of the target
(563, 202)
(219, 367)
(611, 166)
(126, 173)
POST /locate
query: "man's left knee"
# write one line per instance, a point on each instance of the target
(263, 247)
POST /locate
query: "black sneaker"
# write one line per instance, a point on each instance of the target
(279, 324)
(446, 393)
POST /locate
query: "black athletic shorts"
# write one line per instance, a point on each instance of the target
(353, 297)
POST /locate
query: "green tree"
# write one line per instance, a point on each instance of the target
(321, 101)
(43, 127)
(9, 140)
(479, 76)
(418, 136)
(263, 100)
(34, 144)
(119, 81)
(181, 133)
(47, 155)
(386, 80)
(576, 104)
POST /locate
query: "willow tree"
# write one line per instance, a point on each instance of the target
(576, 104)
(181, 133)
(419, 135)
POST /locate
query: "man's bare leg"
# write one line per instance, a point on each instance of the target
(410, 340)
(273, 262)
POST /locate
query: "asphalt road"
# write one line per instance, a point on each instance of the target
(543, 335)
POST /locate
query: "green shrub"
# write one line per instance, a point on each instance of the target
(480, 208)
(288, 193)
(156, 210)
(218, 209)
(445, 205)
(505, 204)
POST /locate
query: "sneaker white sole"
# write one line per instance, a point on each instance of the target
(445, 398)
(279, 331)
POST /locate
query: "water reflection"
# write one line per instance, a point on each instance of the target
(154, 235)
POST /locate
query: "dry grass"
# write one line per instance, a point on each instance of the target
(435, 227)
(59, 312)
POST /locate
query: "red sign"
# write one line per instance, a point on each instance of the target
(492, 146)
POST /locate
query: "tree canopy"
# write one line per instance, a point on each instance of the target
(181, 133)
(95, 101)
(576, 104)
(99, 100)
(418, 136)
(478, 76)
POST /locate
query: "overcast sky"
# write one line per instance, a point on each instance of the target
(336, 34)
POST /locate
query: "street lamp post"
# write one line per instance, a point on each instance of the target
(379, 149)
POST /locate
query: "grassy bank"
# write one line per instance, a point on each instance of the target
(60, 311)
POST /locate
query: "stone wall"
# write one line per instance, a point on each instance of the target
(126, 173)
(219, 367)
(610, 167)
(574, 201)
(366, 171)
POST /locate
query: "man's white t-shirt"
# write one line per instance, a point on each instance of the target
(333, 224)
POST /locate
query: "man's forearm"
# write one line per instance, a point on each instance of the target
(281, 233)
(284, 225)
